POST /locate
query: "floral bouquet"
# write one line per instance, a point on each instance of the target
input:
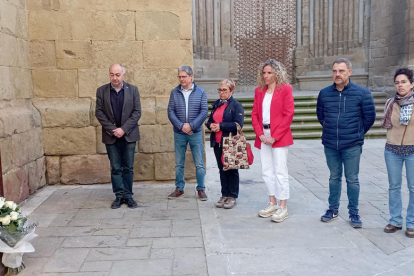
(15, 235)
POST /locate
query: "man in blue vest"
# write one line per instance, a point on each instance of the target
(346, 112)
(118, 109)
(187, 111)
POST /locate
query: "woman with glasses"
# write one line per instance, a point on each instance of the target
(225, 114)
(399, 149)
(272, 116)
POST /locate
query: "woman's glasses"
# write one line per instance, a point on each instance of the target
(222, 90)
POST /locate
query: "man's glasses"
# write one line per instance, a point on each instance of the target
(182, 77)
(222, 90)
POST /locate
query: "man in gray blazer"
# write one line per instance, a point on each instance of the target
(118, 109)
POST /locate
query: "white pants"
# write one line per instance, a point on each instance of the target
(275, 169)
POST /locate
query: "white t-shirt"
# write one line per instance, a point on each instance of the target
(186, 94)
(266, 108)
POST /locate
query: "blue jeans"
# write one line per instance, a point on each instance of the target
(394, 167)
(196, 145)
(337, 160)
(121, 157)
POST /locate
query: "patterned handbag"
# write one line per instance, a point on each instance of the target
(235, 151)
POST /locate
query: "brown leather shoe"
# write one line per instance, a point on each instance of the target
(202, 195)
(220, 203)
(230, 203)
(410, 232)
(391, 228)
(175, 194)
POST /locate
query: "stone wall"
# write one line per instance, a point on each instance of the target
(21, 145)
(215, 56)
(392, 42)
(72, 44)
(330, 29)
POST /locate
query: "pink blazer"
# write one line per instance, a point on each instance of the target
(281, 115)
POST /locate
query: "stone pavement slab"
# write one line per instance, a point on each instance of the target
(79, 235)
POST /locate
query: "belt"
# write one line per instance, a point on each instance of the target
(266, 126)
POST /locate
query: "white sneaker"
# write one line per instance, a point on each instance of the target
(280, 215)
(269, 210)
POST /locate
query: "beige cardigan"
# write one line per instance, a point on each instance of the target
(399, 134)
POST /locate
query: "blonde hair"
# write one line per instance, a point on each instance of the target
(281, 75)
(229, 82)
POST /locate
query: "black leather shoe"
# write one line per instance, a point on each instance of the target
(130, 202)
(117, 203)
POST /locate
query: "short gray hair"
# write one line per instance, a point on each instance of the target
(343, 60)
(122, 67)
(186, 69)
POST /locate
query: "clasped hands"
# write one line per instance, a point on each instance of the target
(118, 132)
(267, 140)
(187, 129)
(215, 127)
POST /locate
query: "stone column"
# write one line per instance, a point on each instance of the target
(335, 30)
(299, 23)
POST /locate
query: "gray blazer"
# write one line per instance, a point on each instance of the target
(131, 113)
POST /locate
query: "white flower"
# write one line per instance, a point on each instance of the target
(2, 200)
(10, 204)
(5, 220)
(14, 215)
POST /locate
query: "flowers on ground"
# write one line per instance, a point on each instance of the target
(11, 220)
(15, 235)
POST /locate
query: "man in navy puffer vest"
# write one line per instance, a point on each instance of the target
(187, 111)
(346, 112)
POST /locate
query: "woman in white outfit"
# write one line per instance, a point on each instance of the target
(272, 116)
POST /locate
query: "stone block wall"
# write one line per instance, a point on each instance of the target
(21, 140)
(71, 46)
(392, 42)
(329, 30)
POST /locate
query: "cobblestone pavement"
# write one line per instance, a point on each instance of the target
(79, 235)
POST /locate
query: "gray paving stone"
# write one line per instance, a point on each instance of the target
(150, 232)
(95, 241)
(42, 220)
(139, 242)
(118, 254)
(183, 204)
(145, 267)
(189, 261)
(112, 232)
(101, 273)
(100, 213)
(117, 223)
(161, 253)
(34, 266)
(384, 241)
(170, 214)
(135, 214)
(186, 228)
(177, 242)
(45, 247)
(218, 264)
(65, 231)
(62, 219)
(85, 222)
(66, 260)
(98, 266)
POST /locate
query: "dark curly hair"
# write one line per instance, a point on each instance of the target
(405, 71)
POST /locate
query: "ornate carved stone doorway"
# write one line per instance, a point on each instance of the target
(263, 29)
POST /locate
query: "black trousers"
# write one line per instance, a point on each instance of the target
(229, 179)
